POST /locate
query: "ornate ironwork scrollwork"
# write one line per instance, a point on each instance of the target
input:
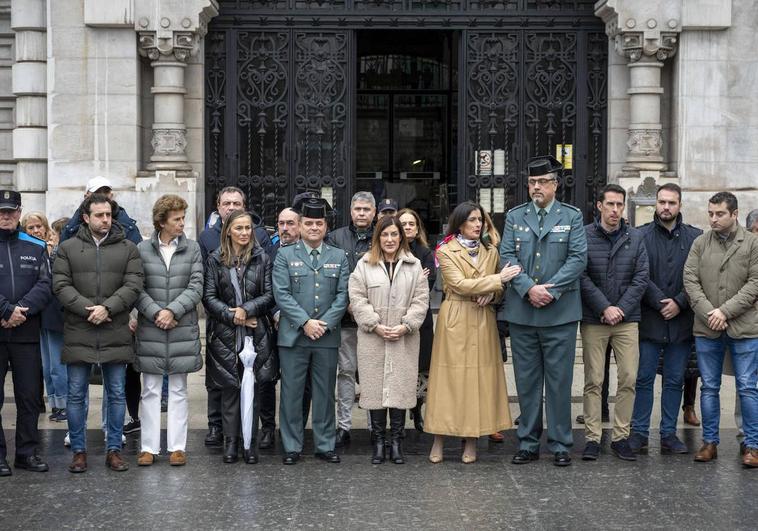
(321, 102)
(263, 60)
(215, 106)
(597, 107)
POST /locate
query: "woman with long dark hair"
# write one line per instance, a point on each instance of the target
(238, 297)
(389, 298)
(467, 396)
(418, 243)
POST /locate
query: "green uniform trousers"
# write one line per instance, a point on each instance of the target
(544, 356)
(294, 363)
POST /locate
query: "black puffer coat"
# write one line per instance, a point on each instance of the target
(223, 367)
(426, 257)
(616, 275)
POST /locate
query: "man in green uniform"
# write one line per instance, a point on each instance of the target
(310, 288)
(542, 306)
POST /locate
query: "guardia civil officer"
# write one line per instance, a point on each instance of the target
(24, 293)
(543, 305)
(310, 287)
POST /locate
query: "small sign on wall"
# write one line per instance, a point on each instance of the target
(565, 155)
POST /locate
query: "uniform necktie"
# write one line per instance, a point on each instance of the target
(542, 215)
(314, 257)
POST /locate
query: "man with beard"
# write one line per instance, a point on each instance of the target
(666, 325)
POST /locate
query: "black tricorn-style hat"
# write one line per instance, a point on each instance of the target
(543, 165)
(297, 202)
(314, 207)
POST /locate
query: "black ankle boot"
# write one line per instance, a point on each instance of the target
(378, 427)
(251, 456)
(231, 449)
(397, 420)
(418, 418)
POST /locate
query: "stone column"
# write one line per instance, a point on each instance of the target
(646, 58)
(28, 20)
(169, 61)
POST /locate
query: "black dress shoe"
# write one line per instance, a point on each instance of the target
(329, 457)
(562, 459)
(231, 450)
(5, 470)
(342, 438)
(267, 439)
(32, 463)
(291, 458)
(214, 438)
(250, 456)
(523, 457)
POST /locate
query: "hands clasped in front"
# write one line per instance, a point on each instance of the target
(17, 317)
(390, 333)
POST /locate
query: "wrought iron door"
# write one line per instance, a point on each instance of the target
(276, 106)
(281, 87)
(526, 92)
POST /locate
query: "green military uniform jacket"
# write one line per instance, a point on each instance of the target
(303, 292)
(557, 255)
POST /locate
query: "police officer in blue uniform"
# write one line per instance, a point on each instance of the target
(543, 306)
(24, 292)
(310, 287)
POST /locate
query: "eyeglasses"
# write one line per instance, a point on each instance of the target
(541, 182)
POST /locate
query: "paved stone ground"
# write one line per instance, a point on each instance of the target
(656, 492)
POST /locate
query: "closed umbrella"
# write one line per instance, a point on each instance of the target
(247, 390)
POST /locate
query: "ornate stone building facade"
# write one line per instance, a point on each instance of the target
(135, 90)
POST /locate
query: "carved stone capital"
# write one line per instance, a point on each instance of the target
(644, 144)
(180, 44)
(635, 44)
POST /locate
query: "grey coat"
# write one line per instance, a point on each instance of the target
(178, 288)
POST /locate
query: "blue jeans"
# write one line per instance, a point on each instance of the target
(114, 377)
(54, 372)
(710, 361)
(675, 356)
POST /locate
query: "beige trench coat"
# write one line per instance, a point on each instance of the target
(388, 369)
(467, 395)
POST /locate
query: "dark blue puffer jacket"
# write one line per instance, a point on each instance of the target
(667, 253)
(129, 226)
(616, 275)
(24, 281)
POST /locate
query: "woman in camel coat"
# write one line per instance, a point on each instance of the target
(389, 297)
(467, 395)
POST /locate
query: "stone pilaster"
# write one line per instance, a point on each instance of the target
(28, 20)
(646, 43)
(168, 37)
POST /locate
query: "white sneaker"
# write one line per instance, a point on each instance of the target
(67, 441)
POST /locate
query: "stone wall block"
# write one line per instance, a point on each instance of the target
(33, 173)
(113, 13)
(31, 111)
(31, 46)
(30, 143)
(30, 14)
(30, 79)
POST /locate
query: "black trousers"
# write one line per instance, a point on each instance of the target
(26, 362)
(133, 391)
(231, 414)
(690, 388)
(214, 408)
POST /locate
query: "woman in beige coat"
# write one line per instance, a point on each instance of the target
(467, 395)
(389, 296)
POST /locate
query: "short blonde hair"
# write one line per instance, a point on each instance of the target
(164, 205)
(36, 215)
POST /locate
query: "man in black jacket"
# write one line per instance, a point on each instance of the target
(229, 199)
(612, 287)
(666, 325)
(24, 293)
(355, 240)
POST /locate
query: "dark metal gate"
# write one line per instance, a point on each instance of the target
(281, 87)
